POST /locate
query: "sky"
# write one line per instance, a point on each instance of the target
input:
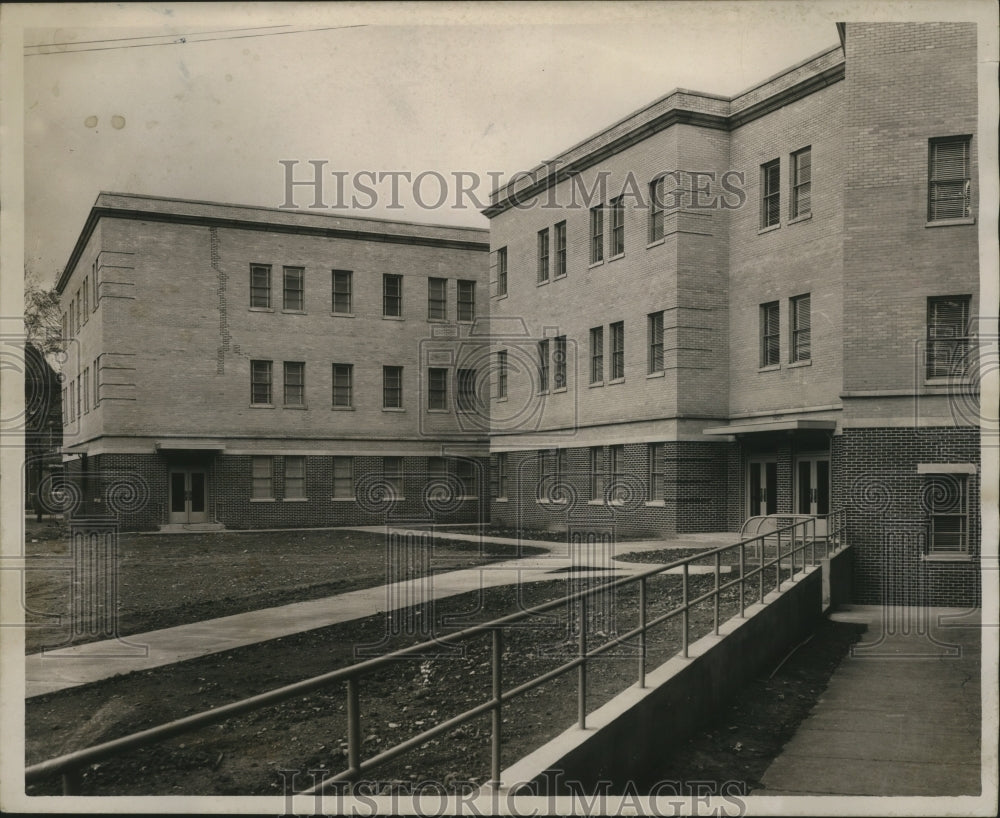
(203, 101)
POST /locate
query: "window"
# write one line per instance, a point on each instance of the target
(466, 300)
(616, 456)
(86, 390)
(502, 271)
(949, 514)
(596, 354)
(295, 383)
(392, 387)
(597, 473)
(295, 477)
(76, 312)
(560, 249)
(597, 234)
(392, 295)
(656, 210)
(97, 384)
(260, 286)
(801, 182)
(72, 401)
(293, 292)
(96, 287)
(79, 397)
(437, 299)
(437, 468)
(85, 295)
(947, 336)
(543, 366)
(342, 286)
(343, 477)
(65, 333)
(437, 388)
(801, 326)
(655, 321)
(770, 341)
(392, 475)
(617, 226)
(343, 385)
(467, 390)
(559, 361)
(617, 350)
(72, 323)
(654, 454)
(500, 490)
(502, 374)
(543, 255)
(770, 194)
(465, 471)
(263, 478)
(65, 407)
(949, 194)
(260, 382)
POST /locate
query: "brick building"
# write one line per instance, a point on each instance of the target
(247, 367)
(718, 308)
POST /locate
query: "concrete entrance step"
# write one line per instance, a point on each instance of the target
(188, 528)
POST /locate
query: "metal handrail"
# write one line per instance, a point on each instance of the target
(69, 766)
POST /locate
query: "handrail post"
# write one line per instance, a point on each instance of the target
(496, 720)
(72, 781)
(760, 572)
(353, 728)
(581, 693)
(742, 580)
(684, 612)
(642, 632)
(718, 593)
(812, 542)
(777, 586)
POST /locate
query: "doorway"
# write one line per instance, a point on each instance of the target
(812, 488)
(188, 496)
(763, 487)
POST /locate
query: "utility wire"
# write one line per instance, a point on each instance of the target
(149, 37)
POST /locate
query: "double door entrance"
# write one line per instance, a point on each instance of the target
(188, 496)
(810, 485)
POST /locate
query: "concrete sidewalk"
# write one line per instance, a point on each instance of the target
(901, 715)
(51, 671)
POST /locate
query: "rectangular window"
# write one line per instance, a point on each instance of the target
(72, 321)
(597, 473)
(295, 477)
(596, 354)
(502, 373)
(654, 454)
(948, 336)
(437, 468)
(617, 226)
(79, 397)
(596, 234)
(465, 471)
(770, 339)
(617, 350)
(949, 514)
(65, 333)
(437, 299)
(65, 408)
(260, 286)
(97, 384)
(342, 286)
(295, 383)
(437, 388)
(260, 382)
(293, 291)
(656, 210)
(97, 288)
(559, 363)
(392, 387)
(343, 477)
(263, 478)
(392, 295)
(72, 401)
(560, 249)
(467, 390)
(543, 366)
(543, 255)
(502, 271)
(616, 456)
(801, 182)
(949, 194)
(85, 295)
(343, 385)
(86, 390)
(801, 326)
(466, 300)
(655, 322)
(770, 194)
(392, 475)
(501, 481)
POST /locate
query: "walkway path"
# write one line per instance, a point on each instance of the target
(901, 715)
(68, 667)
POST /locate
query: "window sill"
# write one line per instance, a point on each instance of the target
(803, 218)
(341, 408)
(656, 503)
(595, 502)
(393, 409)
(260, 309)
(499, 499)
(541, 283)
(261, 499)
(560, 389)
(466, 321)
(806, 362)
(655, 243)
(500, 297)
(343, 499)
(613, 381)
(561, 275)
(946, 468)
(769, 229)
(294, 312)
(543, 392)
(262, 406)
(393, 318)
(946, 557)
(501, 399)
(438, 411)
(342, 314)
(948, 383)
(596, 383)
(951, 222)
(295, 499)
(543, 502)
(770, 368)
(615, 258)
(659, 374)
(594, 264)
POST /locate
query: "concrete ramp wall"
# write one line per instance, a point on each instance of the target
(625, 738)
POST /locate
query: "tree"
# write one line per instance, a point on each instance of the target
(42, 316)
